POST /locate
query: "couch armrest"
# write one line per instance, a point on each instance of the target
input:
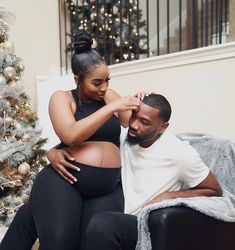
(182, 228)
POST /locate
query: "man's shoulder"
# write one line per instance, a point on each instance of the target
(170, 145)
(171, 140)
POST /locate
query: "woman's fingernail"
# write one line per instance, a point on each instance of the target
(75, 179)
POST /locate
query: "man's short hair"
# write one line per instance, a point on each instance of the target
(161, 103)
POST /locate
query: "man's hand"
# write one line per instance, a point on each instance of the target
(57, 158)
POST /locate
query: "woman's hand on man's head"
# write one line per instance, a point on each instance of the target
(140, 95)
(125, 103)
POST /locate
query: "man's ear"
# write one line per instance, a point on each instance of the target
(163, 127)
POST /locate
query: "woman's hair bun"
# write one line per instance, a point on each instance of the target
(82, 42)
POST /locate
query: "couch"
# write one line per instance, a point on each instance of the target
(183, 228)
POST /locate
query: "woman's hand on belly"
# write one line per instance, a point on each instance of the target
(96, 154)
(57, 158)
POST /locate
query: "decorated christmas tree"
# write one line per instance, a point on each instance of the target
(118, 31)
(21, 153)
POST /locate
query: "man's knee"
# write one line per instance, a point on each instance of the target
(102, 225)
(111, 230)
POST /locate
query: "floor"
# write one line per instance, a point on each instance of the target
(35, 246)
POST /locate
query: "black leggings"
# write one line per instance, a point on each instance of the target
(61, 211)
(116, 231)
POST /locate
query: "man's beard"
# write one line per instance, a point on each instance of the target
(133, 140)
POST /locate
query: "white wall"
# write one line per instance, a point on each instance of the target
(199, 84)
(36, 38)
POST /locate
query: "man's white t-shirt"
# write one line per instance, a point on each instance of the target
(164, 166)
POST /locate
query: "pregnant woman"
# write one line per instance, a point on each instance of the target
(87, 120)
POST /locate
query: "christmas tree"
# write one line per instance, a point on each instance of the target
(118, 32)
(21, 153)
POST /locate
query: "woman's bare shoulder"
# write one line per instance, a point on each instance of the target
(62, 95)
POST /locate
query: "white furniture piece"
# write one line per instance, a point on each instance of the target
(46, 85)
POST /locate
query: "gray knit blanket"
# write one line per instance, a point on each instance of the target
(219, 155)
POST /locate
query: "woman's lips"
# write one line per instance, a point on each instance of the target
(101, 96)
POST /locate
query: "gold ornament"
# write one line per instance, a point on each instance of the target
(16, 85)
(20, 67)
(7, 45)
(18, 182)
(9, 72)
(26, 138)
(93, 16)
(13, 84)
(23, 168)
(125, 56)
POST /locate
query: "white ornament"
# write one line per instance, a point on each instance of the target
(115, 10)
(141, 44)
(38, 129)
(23, 168)
(6, 15)
(117, 42)
(2, 80)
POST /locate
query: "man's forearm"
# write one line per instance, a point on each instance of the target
(194, 192)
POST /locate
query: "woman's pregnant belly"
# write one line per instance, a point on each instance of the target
(100, 168)
(97, 154)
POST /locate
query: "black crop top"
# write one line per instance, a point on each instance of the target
(110, 131)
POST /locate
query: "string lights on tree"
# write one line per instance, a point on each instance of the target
(118, 31)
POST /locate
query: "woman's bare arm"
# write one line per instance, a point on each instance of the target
(123, 116)
(74, 132)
